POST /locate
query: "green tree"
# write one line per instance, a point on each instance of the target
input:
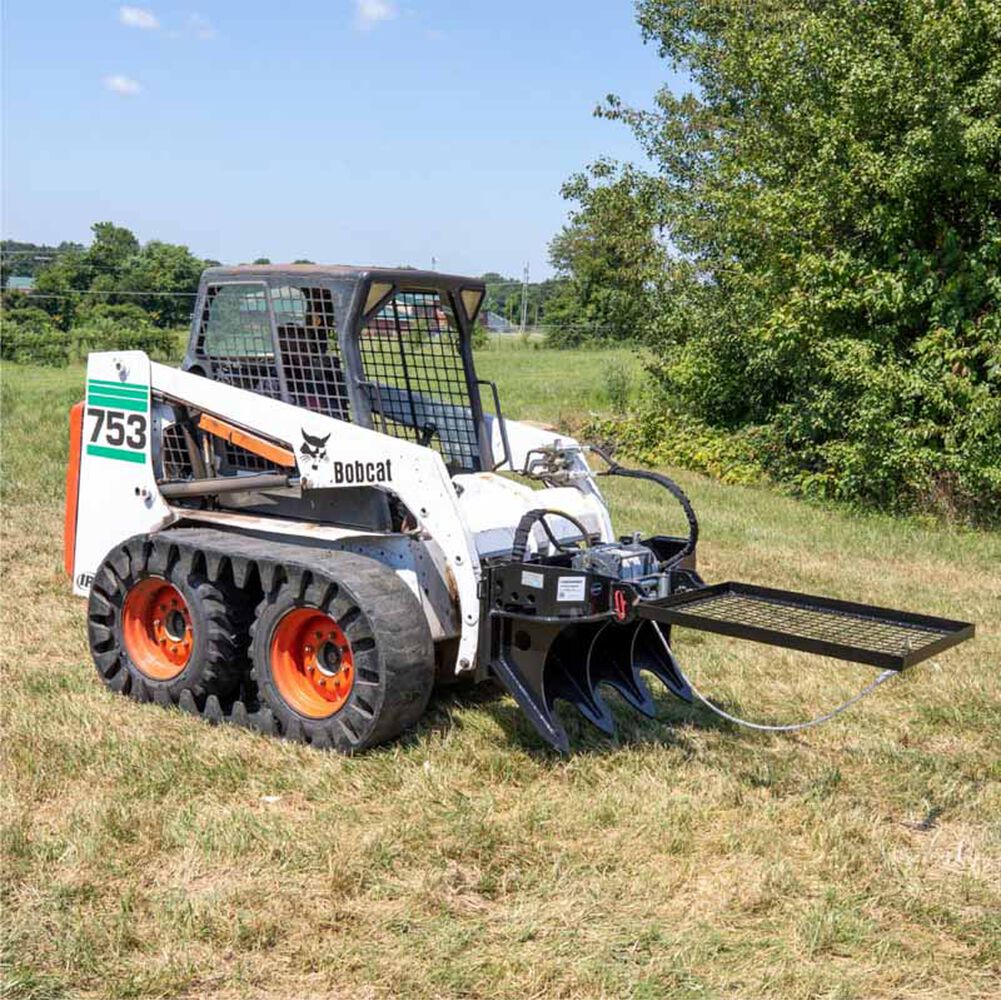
(831, 194)
(610, 253)
(59, 285)
(111, 247)
(115, 270)
(168, 274)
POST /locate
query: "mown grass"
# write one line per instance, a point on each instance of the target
(147, 855)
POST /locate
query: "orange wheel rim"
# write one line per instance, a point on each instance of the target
(156, 627)
(312, 663)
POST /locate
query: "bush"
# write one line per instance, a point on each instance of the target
(30, 336)
(657, 434)
(124, 314)
(481, 336)
(905, 435)
(102, 333)
(617, 386)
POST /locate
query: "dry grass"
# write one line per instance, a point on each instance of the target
(148, 855)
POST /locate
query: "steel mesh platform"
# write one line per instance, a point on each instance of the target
(861, 633)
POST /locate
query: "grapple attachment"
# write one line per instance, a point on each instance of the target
(558, 630)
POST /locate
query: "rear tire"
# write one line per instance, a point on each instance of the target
(157, 627)
(342, 654)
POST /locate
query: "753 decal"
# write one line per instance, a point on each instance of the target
(118, 427)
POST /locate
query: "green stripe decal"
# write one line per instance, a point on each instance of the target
(120, 453)
(114, 390)
(138, 405)
(138, 386)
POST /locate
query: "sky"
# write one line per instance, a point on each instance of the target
(345, 131)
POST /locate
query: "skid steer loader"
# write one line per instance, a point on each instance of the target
(315, 518)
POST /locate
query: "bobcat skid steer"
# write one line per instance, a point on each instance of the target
(315, 518)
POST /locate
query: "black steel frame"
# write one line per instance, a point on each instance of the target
(683, 610)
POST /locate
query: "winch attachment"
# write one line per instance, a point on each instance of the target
(562, 625)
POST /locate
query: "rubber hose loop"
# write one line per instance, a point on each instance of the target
(791, 727)
(527, 522)
(677, 492)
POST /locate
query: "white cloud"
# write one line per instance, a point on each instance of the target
(123, 85)
(368, 13)
(138, 17)
(201, 28)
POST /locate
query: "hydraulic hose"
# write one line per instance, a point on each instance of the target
(614, 469)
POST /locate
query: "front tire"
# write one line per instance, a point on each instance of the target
(342, 654)
(158, 627)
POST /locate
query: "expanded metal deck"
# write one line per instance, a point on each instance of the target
(861, 633)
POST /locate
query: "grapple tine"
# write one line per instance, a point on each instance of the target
(527, 689)
(609, 662)
(561, 684)
(652, 652)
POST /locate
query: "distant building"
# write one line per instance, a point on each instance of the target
(495, 323)
(20, 283)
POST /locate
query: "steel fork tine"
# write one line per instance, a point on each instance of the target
(605, 666)
(657, 657)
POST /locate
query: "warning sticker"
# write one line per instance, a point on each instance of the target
(571, 588)
(536, 580)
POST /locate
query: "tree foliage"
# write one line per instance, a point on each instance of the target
(503, 297)
(25, 260)
(160, 278)
(609, 252)
(831, 196)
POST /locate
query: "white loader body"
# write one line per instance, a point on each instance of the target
(458, 519)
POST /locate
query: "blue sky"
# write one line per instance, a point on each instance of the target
(359, 131)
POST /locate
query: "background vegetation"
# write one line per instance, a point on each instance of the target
(814, 254)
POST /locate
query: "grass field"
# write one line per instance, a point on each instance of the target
(148, 855)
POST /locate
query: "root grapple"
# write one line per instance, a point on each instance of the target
(547, 648)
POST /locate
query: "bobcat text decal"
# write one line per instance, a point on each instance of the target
(363, 472)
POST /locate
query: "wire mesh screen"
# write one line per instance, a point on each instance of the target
(415, 378)
(235, 338)
(814, 622)
(235, 457)
(174, 455)
(307, 343)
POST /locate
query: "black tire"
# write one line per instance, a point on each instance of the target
(390, 642)
(217, 661)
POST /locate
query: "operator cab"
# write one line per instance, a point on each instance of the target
(386, 349)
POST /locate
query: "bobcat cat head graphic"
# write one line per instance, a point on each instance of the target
(314, 449)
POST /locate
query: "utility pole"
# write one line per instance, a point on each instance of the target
(524, 298)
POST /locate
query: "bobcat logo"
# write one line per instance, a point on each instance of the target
(314, 449)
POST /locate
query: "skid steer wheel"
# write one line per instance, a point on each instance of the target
(342, 655)
(158, 628)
